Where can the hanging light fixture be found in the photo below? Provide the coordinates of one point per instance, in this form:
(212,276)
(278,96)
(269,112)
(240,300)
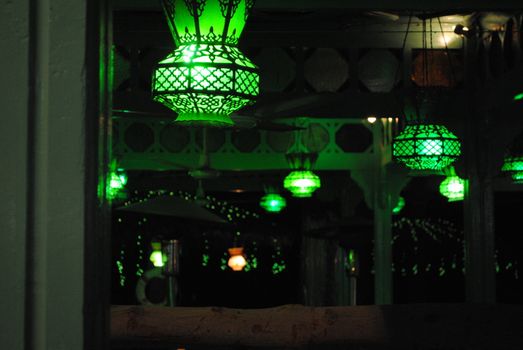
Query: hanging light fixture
(513,160)
(452,187)
(422,145)
(302,183)
(157,257)
(513,165)
(237,259)
(426,147)
(399,206)
(207,77)
(273,202)
(116,181)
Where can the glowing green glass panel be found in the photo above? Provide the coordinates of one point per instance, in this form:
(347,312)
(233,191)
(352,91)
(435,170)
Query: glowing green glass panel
(157,258)
(430,147)
(518,97)
(207,21)
(399,206)
(426,147)
(273,202)
(302,183)
(453,187)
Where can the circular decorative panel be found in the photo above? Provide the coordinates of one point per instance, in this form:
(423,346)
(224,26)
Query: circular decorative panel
(277,69)
(378,70)
(246,140)
(174,138)
(326,70)
(315,137)
(139,137)
(215,139)
(280,141)
(353,138)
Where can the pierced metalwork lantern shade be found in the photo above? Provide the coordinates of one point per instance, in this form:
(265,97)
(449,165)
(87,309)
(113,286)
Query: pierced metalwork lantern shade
(453,187)
(207,77)
(273,202)
(426,147)
(302,183)
(513,165)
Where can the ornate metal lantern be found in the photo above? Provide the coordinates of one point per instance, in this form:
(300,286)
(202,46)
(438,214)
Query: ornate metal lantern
(513,165)
(426,147)
(301,182)
(273,202)
(207,77)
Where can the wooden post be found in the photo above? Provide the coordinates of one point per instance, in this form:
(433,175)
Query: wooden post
(53,296)
(382,185)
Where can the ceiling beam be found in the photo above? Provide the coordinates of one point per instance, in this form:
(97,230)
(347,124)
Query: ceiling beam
(387,5)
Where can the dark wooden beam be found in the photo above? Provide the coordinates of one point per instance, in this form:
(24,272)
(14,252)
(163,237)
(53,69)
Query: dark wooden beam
(424,326)
(405,5)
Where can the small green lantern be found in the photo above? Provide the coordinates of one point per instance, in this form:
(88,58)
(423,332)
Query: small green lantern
(116,181)
(453,187)
(426,147)
(517,177)
(157,257)
(399,206)
(513,165)
(302,183)
(206,78)
(273,202)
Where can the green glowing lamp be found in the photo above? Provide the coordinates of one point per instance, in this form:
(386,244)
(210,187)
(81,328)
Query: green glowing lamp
(517,177)
(399,206)
(157,258)
(206,78)
(273,202)
(518,97)
(453,187)
(117,180)
(426,147)
(302,183)
(513,165)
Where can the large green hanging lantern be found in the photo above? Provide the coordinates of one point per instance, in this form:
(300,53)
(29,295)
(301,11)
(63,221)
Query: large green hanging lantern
(513,165)
(453,187)
(426,147)
(273,202)
(302,183)
(206,78)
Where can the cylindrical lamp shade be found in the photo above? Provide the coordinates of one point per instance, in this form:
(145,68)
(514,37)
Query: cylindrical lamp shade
(426,147)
